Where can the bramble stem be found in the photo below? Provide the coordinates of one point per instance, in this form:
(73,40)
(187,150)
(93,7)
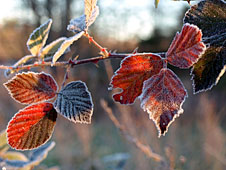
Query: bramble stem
(73,63)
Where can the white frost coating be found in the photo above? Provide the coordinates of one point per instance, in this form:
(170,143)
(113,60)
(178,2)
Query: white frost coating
(65,46)
(37,49)
(147,85)
(78,24)
(83,22)
(121,98)
(221,74)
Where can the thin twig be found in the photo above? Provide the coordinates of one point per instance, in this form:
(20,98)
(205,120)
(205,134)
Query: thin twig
(143,147)
(215,154)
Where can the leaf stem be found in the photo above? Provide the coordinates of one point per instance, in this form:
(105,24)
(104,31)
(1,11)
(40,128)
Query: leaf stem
(102,49)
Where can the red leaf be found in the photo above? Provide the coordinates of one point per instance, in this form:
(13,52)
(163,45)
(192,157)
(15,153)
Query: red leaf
(186,47)
(162,97)
(133,72)
(32,126)
(30,87)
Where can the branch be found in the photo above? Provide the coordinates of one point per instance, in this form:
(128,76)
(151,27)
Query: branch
(72,62)
(143,147)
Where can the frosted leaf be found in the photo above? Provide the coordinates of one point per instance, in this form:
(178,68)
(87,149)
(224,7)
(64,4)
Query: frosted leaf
(210,17)
(38,38)
(78,24)
(52,48)
(75,103)
(31,87)
(65,45)
(186,48)
(87,19)
(162,97)
(134,70)
(32,126)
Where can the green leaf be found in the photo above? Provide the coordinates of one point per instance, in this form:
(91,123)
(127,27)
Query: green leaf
(38,38)
(210,17)
(52,48)
(65,45)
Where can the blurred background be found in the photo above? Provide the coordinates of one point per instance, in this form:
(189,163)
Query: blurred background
(196,140)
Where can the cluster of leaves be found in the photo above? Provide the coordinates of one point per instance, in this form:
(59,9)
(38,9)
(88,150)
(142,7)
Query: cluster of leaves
(33,125)
(141,75)
(17,160)
(161,91)
(210,17)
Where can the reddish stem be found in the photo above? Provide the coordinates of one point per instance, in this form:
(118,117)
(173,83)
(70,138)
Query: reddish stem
(102,49)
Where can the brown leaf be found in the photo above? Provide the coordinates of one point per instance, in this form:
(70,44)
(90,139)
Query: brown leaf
(32,126)
(30,87)
(162,97)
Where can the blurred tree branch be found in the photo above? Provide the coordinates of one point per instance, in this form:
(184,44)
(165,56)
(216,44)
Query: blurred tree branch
(47,8)
(143,147)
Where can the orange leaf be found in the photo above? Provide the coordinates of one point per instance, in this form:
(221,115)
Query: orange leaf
(32,126)
(30,87)
(186,48)
(133,72)
(162,97)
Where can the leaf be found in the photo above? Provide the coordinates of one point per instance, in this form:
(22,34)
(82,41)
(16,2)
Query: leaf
(162,97)
(36,157)
(32,126)
(31,87)
(208,70)
(92,18)
(75,103)
(186,47)
(38,38)
(78,24)
(87,19)
(52,48)
(91,11)
(210,17)
(134,70)
(65,45)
